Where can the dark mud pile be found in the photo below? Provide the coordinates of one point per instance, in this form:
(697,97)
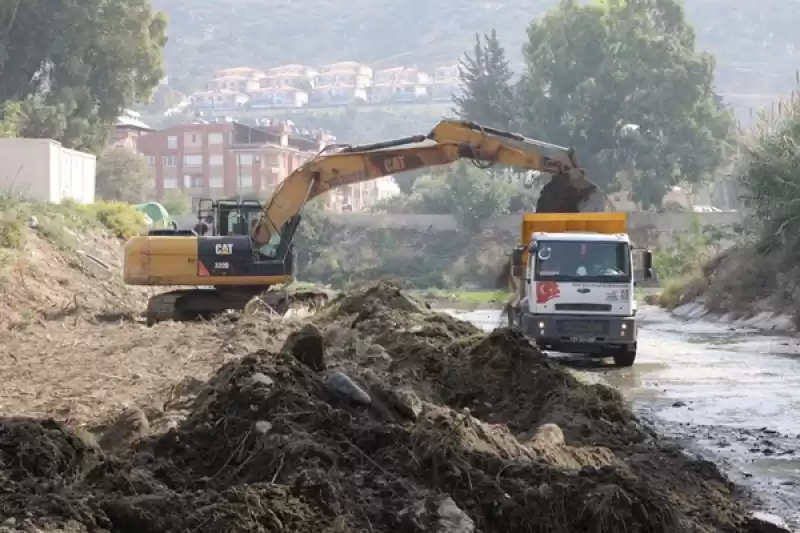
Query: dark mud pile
(381,416)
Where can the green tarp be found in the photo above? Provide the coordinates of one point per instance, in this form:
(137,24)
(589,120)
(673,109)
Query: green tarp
(156,213)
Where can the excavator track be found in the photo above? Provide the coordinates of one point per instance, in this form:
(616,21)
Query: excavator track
(194,304)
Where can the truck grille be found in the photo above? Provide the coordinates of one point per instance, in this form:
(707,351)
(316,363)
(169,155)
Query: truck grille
(583,307)
(597,328)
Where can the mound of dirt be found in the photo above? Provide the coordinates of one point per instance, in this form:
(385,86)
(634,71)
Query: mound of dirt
(379,416)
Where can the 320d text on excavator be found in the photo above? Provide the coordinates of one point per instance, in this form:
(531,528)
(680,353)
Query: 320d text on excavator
(248,248)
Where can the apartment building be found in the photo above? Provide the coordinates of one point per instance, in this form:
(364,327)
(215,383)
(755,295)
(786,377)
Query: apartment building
(288,76)
(224,159)
(356,73)
(127,130)
(286,96)
(218,100)
(241,84)
(398,84)
(341,83)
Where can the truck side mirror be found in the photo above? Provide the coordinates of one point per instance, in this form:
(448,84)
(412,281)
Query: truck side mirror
(517,265)
(647,265)
(516,256)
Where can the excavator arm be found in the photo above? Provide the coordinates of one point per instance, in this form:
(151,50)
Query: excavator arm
(449,141)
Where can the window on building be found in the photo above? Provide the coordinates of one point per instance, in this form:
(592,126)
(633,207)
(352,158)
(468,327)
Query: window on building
(215,138)
(245,159)
(216,182)
(151,160)
(169,160)
(170,183)
(245,182)
(193,181)
(172,142)
(216,160)
(196,160)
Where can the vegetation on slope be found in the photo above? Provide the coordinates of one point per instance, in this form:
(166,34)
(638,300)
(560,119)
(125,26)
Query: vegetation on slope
(761,273)
(56,259)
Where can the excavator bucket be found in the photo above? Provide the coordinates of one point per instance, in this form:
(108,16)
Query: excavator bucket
(571,193)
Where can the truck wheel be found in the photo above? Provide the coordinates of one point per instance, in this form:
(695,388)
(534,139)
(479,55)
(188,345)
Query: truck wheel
(625,357)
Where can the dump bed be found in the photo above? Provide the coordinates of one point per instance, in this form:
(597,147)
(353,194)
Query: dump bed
(608,223)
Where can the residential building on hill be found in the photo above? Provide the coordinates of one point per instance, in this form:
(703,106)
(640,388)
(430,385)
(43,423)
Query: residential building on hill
(286,96)
(247,72)
(398,84)
(341,83)
(288,76)
(241,84)
(402,75)
(218,100)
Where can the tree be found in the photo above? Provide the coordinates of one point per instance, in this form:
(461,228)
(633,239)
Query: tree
(122,175)
(176,202)
(468,193)
(72,68)
(767,171)
(485,77)
(593,69)
(475,196)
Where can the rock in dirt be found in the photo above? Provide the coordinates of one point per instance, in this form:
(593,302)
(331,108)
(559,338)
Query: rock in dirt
(440,514)
(291,458)
(547,435)
(307,346)
(407,402)
(129,426)
(343,385)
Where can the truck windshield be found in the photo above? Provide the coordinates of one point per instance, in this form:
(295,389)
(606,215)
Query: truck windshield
(583,261)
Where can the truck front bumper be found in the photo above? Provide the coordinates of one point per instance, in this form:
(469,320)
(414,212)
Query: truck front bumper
(579,333)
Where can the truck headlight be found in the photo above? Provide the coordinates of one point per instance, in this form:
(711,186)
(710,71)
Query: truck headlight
(541,325)
(624,326)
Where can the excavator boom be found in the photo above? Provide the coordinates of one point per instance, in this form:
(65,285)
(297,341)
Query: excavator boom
(448,142)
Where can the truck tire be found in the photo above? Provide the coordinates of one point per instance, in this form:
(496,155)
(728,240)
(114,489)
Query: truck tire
(625,356)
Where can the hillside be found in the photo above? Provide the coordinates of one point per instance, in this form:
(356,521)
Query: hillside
(211,34)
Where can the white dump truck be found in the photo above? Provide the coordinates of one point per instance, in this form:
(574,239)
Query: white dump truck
(574,276)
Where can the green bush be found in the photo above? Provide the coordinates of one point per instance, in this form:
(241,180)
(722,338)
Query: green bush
(122,219)
(12,233)
(692,249)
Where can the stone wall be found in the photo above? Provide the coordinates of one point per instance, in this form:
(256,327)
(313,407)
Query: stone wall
(646,229)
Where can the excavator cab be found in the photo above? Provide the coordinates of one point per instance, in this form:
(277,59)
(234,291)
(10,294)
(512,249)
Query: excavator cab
(227,217)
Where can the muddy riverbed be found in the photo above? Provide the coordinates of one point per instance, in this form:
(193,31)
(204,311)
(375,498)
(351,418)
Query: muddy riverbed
(729,394)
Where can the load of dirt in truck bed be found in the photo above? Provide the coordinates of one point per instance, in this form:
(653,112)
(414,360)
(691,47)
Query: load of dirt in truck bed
(378,415)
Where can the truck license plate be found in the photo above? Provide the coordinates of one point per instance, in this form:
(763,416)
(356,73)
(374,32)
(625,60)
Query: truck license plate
(581,339)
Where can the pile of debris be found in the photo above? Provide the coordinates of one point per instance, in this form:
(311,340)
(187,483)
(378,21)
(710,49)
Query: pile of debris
(378,415)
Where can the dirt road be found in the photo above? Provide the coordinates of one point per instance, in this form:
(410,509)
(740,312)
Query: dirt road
(731,394)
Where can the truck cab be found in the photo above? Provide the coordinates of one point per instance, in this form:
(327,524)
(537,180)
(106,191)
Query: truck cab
(576,287)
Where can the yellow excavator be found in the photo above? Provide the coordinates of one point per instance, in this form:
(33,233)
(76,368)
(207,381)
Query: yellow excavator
(245,248)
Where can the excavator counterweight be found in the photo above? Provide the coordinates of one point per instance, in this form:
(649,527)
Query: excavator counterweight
(243,256)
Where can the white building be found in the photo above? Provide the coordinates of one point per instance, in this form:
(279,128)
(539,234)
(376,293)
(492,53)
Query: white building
(43,170)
